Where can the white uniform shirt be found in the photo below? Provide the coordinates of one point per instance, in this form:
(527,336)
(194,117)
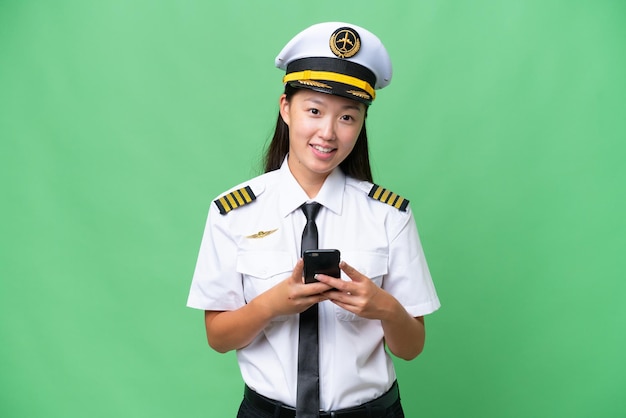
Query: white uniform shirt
(377,239)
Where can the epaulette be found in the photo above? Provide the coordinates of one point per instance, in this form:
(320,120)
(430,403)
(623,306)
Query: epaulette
(234,200)
(388,197)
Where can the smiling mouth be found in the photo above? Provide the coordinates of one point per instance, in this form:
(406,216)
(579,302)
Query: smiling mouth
(323,149)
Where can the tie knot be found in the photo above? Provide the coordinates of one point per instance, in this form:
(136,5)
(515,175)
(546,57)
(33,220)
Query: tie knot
(310,210)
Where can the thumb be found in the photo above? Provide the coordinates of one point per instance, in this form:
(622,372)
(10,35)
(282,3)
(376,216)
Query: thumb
(298,272)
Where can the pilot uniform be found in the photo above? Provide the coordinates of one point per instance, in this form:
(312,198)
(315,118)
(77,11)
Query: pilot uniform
(251,248)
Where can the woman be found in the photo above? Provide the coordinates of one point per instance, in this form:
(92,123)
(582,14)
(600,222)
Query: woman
(248,278)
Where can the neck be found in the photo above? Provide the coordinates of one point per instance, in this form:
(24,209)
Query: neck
(310,182)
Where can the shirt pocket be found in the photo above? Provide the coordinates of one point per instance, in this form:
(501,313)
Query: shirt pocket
(371,264)
(262,270)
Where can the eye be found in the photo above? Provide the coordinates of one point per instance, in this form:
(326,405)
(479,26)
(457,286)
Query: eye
(347,118)
(314,111)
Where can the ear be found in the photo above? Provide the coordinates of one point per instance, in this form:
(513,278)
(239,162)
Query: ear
(284,108)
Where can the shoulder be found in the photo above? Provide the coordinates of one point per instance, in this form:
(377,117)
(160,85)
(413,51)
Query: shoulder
(377,193)
(244,193)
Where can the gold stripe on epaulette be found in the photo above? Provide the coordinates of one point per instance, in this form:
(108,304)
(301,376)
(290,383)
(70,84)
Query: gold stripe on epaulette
(388,197)
(234,200)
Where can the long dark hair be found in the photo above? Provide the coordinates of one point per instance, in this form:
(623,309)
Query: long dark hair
(356,164)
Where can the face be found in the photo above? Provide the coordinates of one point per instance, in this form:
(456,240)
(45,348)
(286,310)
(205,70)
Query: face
(323,129)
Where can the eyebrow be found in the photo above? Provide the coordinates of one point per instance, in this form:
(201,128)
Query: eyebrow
(356,107)
(321,102)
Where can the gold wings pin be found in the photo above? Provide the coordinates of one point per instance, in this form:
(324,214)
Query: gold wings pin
(262,234)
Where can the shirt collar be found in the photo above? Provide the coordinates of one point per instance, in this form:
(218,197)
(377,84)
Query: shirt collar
(292,196)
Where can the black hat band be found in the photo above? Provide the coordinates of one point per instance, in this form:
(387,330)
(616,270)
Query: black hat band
(332,69)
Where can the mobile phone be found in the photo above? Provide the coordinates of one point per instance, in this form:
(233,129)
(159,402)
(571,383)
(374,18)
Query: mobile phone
(324,261)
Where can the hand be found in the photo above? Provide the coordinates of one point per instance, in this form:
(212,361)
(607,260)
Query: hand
(361,296)
(292,295)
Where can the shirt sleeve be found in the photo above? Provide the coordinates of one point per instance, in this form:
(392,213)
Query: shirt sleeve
(408,278)
(216,285)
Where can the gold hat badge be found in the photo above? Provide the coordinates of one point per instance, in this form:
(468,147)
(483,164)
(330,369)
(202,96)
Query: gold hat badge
(345,42)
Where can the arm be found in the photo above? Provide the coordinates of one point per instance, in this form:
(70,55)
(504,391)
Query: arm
(405,335)
(232,330)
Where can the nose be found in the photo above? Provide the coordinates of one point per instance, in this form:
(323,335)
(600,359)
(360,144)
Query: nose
(327,130)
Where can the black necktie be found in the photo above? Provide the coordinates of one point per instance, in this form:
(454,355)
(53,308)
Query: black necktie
(308,390)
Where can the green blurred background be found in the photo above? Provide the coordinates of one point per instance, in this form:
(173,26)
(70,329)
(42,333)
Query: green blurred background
(121,120)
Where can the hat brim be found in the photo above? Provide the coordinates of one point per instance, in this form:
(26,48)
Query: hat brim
(335,88)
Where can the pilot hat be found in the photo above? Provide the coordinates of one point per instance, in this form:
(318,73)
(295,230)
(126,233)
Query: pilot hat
(336,58)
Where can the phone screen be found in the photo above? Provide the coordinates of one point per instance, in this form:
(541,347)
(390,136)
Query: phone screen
(323,261)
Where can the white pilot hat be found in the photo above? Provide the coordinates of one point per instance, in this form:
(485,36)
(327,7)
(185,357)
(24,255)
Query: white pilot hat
(336,58)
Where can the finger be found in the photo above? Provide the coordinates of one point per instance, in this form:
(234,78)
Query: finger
(315,288)
(320,297)
(342,304)
(332,282)
(350,271)
(297,275)
(336,295)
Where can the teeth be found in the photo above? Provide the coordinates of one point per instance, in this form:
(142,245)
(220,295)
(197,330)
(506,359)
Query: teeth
(322,149)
